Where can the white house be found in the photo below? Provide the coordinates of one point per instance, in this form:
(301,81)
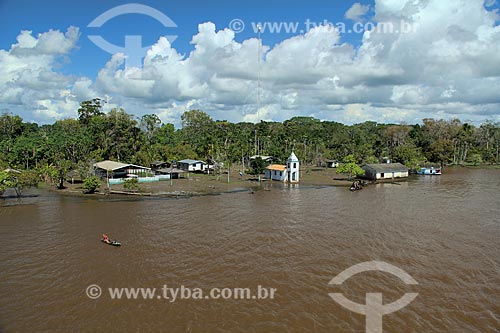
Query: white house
(114,169)
(285,173)
(276,172)
(385,171)
(192,165)
(332,163)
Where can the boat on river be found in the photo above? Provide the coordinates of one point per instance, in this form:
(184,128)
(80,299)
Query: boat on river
(113,242)
(106,240)
(429,171)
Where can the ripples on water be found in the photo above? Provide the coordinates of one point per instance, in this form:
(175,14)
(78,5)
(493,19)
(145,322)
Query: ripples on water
(443,231)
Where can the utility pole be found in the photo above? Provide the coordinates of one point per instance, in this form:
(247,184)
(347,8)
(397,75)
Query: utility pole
(259,51)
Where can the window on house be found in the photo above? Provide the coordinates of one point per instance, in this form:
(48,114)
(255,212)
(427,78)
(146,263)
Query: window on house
(294,165)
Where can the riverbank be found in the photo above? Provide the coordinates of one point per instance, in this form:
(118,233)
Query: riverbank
(201,184)
(196,184)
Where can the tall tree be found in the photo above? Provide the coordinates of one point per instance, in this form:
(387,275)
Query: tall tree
(198,129)
(150,123)
(89,109)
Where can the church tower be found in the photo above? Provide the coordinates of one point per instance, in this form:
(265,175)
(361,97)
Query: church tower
(292,167)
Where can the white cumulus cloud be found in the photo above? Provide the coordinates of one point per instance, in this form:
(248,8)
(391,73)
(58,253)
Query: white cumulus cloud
(441,60)
(357,12)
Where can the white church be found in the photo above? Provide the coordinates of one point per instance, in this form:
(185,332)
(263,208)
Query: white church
(285,173)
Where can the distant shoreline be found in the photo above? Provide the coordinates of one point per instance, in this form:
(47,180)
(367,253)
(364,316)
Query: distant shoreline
(205,185)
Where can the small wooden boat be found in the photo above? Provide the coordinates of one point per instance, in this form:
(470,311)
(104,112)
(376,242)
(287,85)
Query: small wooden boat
(429,171)
(357,186)
(114,243)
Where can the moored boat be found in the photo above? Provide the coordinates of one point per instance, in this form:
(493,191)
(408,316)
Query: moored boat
(429,171)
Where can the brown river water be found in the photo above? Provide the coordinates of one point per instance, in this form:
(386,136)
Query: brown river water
(443,231)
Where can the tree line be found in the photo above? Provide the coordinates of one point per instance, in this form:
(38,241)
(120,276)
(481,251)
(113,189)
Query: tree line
(50,151)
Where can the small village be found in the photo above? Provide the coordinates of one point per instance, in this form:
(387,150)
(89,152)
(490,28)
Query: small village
(192,177)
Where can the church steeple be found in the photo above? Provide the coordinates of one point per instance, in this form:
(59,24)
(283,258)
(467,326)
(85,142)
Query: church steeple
(292,166)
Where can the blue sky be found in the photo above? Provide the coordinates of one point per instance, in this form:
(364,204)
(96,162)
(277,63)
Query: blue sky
(447,68)
(41,16)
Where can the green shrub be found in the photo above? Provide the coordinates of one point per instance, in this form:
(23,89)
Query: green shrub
(28,179)
(131,184)
(258,166)
(350,167)
(91,184)
(6,180)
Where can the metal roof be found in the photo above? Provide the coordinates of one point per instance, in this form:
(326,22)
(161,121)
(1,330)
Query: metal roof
(263,157)
(112,165)
(12,170)
(387,167)
(188,161)
(173,170)
(158,163)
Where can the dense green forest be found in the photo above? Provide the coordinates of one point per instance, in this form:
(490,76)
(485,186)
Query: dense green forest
(51,151)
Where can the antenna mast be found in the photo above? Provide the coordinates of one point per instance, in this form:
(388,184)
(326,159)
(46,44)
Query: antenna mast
(259,27)
(259,51)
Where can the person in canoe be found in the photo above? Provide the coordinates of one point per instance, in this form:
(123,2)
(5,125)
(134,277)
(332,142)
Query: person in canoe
(105,239)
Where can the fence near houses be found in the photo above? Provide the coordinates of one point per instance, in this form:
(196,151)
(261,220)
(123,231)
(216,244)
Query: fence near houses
(118,181)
